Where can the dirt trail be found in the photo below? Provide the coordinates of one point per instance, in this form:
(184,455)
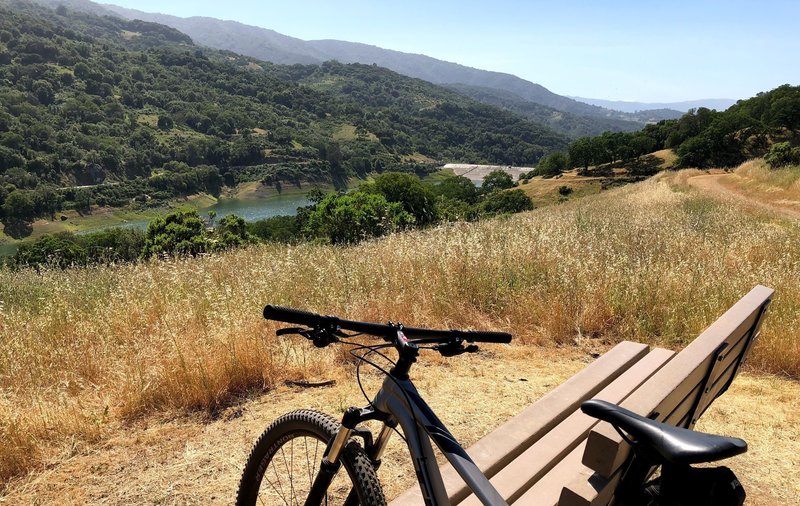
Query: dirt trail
(729,186)
(191,460)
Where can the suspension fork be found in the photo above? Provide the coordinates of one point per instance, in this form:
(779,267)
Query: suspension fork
(331,459)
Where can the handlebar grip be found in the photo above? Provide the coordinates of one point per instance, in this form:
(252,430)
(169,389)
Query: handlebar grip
(289,315)
(479,336)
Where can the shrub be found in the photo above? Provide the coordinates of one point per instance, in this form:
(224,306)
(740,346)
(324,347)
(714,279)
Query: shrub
(350,218)
(553,165)
(283,229)
(57,250)
(179,233)
(408,191)
(511,201)
(782,154)
(497,180)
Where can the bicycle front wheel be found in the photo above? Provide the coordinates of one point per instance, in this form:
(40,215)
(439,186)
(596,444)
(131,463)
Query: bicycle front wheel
(285,460)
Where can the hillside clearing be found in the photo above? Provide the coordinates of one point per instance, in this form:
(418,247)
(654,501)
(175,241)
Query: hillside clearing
(545,191)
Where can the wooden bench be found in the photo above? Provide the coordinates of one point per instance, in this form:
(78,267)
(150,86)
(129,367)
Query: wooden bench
(553,454)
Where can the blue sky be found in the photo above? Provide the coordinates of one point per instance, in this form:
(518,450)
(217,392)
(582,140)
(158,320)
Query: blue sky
(623,50)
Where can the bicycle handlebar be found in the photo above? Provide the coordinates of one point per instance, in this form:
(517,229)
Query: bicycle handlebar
(300,317)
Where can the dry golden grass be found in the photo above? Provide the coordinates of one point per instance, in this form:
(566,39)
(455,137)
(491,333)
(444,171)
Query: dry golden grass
(759,175)
(83,349)
(668,158)
(544,192)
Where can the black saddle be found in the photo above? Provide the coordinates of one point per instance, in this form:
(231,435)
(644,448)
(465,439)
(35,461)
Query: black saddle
(665,442)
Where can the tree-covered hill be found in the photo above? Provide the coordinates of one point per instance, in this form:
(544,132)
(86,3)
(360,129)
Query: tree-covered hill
(269,45)
(86,99)
(706,138)
(573,125)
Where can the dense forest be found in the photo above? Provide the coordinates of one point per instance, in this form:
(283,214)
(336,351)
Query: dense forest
(702,137)
(102,111)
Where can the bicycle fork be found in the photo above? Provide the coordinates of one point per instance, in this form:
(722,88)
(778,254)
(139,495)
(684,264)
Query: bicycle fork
(331,459)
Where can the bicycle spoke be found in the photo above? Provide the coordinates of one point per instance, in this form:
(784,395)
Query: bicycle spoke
(279,492)
(291,475)
(308,463)
(280,486)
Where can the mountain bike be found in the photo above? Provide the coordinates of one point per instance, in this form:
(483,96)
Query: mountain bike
(298,459)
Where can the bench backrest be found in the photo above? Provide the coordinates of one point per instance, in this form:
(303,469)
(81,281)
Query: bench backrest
(677,394)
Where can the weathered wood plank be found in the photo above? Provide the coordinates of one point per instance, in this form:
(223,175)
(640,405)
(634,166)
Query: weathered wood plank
(547,491)
(521,473)
(671,386)
(509,440)
(589,489)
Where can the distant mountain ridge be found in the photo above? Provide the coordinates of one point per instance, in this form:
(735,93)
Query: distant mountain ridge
(720,104)
(269,45)
(578,119)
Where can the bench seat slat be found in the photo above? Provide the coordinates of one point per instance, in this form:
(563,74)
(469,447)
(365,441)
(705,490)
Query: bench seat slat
(509,440)
(547,491)
(521,473)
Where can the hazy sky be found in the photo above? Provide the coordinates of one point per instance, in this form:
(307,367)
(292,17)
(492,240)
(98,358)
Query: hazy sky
(622,50)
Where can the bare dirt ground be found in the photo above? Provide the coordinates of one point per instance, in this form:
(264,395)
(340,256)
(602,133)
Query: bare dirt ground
(196,460)
(729,185)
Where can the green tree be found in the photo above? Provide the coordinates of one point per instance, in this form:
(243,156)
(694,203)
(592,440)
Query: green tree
(458,188)
(55,250)
(553,165)
(20,204)
(451,210)
(10,159)
(582,152)
(231,232)
(782,154)
(510,201)
(165,122)
(497,180)
(179,233)
(44,92)
(283,229)
(350,218)
(113,245)
(408,191)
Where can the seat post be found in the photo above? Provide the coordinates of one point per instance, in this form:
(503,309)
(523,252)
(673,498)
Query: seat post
(635,475)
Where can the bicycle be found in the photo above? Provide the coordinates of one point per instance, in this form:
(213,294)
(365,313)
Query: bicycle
(282,470)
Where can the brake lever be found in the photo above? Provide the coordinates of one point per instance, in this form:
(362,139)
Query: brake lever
(455,348)
(292,330)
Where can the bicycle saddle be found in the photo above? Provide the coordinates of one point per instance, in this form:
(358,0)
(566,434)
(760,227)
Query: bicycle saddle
(672,444)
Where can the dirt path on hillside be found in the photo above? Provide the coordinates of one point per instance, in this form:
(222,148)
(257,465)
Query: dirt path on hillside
(729,185)
(193,460)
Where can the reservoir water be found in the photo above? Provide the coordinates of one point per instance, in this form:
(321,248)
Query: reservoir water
(249,209)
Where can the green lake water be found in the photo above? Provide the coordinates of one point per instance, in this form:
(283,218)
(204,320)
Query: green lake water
(249,209)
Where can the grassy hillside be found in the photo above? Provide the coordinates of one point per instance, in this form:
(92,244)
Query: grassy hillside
(656,261)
